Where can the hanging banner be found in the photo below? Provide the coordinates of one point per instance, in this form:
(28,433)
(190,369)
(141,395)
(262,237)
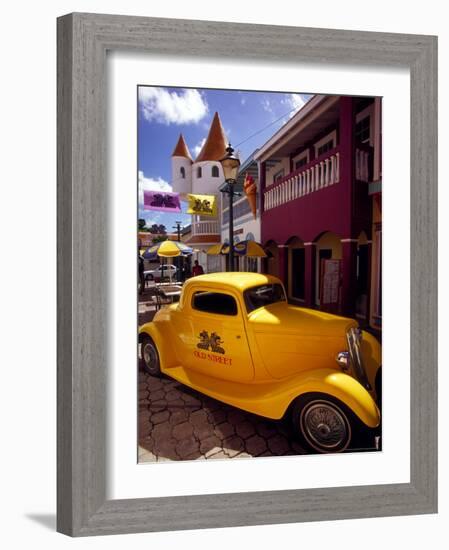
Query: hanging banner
(204,205)
(161,201)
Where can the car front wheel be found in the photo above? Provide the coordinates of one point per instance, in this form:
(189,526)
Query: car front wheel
(149,356)
(322,424)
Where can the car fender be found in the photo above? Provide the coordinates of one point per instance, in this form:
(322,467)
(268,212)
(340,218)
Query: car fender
(155,331)
(371,351)
(341,386)
(272,399)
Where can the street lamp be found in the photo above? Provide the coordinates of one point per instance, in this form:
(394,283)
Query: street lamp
(178,229)
(179,260)
(230,164)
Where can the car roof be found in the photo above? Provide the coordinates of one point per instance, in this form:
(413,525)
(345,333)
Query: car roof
(237,280)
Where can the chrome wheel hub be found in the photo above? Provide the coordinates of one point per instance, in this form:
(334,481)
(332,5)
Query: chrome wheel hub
(149,356)
(325,426)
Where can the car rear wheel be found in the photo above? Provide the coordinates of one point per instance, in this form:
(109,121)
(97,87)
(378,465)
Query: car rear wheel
(322,424)
(149,356)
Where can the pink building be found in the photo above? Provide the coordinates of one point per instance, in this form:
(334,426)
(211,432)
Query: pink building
(317,177)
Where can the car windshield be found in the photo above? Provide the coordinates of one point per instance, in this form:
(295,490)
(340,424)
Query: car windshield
(263,295)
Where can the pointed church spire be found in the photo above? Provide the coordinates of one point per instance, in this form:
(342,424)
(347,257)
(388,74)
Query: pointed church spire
(214,147)
(181,149)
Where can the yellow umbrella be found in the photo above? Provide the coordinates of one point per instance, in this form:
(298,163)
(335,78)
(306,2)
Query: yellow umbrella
(251,249)
(215,250)
(247,248)
(168,249)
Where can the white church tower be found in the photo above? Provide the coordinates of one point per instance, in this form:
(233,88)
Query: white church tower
(207,172)
(203,176)
(181,165)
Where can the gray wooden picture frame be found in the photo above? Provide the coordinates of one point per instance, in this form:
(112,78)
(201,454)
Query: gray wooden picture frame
(83,41)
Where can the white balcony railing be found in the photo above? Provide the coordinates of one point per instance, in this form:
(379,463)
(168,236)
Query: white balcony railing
(205,228)
(308,180)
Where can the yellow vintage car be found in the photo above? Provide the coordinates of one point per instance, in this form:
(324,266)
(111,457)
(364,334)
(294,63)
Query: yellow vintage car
(234,337)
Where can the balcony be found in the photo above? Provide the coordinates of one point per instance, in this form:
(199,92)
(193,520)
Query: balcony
(318,174)
(205,227)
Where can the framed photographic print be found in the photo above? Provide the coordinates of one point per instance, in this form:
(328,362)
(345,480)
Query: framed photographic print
(259,266)
(253,363)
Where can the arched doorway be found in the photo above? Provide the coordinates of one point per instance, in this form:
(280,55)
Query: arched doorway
(328,247)
(296,269)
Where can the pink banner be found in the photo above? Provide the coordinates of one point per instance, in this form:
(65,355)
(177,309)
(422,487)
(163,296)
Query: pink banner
(162,201)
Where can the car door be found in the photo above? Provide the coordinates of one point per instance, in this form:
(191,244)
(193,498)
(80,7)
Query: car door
(218,343)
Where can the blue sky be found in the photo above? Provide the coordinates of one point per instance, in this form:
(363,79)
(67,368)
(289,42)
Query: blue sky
(164,113)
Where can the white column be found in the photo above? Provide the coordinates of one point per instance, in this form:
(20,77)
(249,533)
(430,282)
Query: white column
(326,172)
(337,167)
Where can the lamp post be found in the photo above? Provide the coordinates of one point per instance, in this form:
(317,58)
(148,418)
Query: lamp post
(178,229)
(230,164)
(180,260)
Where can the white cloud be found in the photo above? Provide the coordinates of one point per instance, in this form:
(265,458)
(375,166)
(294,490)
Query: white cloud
(183,107)
(198,147)
(151,184)
(266,105)
(297,101)
(150,217)
(243,101)
(294,102)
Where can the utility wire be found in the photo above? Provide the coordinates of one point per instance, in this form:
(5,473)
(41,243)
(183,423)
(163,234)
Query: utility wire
(265,127)
(260,131)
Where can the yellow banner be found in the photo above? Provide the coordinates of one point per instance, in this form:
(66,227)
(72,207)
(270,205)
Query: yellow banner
(204,205)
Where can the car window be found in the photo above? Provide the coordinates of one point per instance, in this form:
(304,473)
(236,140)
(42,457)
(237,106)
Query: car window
(214,302)
(263,295)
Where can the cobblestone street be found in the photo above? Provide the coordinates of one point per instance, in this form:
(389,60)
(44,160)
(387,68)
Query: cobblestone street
(177,423)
